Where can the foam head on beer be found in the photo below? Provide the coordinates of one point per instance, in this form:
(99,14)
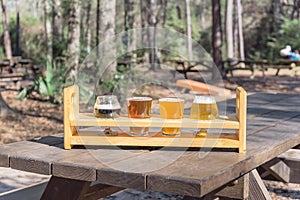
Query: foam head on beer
(204,99)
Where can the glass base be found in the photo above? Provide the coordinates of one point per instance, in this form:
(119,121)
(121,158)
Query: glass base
(171,131)
(139,131)
(202,132)
(109,132)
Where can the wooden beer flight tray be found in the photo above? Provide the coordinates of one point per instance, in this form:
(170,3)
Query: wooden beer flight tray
(73,118)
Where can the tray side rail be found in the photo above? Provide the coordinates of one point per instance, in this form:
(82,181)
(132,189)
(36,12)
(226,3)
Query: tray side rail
(71,111)
(241,113)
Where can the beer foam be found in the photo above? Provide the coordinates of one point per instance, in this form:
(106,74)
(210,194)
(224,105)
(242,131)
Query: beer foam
(171,99)
(107,107)
(139,98)
(204,99)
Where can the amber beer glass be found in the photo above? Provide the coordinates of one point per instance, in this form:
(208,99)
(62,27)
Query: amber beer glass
(171,108)
(204,108)
(139,108)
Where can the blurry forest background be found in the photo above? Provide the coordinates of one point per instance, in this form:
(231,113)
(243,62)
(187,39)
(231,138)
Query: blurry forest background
(58,34)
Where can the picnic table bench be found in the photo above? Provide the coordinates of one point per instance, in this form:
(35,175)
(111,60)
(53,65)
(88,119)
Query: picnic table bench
(262,65)
(273,127)
(17,72)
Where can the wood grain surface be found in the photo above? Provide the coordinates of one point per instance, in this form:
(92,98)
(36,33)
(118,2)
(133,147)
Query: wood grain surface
(273,127)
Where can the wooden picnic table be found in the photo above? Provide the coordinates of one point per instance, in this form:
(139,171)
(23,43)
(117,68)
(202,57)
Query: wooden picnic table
(186,66)
(273,127)
(262,65)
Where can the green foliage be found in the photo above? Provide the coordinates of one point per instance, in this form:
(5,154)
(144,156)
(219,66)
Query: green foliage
(48,86)
(109,85)
(288,35)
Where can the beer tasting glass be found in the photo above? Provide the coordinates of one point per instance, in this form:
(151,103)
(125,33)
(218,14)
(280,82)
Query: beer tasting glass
(204,108)
(171,108)
(139,108)
(107,106)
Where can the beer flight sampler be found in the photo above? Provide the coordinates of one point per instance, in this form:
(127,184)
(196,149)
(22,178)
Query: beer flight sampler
(171,122)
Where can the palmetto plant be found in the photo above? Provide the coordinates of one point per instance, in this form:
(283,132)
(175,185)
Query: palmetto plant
(49,85)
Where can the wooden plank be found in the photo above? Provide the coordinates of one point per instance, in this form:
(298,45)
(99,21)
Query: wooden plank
(86,164)
(71,110)
(8,150)
(75,170)
(126,179)
(278,169)
(67,189)
(184,140)
(88,119)
(203,87)
(257,188)
(40,160)
(241,115)
(261,147)
(238,189)
(292,159)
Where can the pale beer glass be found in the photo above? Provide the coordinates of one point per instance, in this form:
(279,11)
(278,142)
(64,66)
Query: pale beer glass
(204,108)
(139,108)
(171,108)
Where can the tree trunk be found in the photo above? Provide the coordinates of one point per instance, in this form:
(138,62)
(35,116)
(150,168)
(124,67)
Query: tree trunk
(236,32)
(106,31)
(88,27)
(7,42)
(129,24)
(57,24)
(97,22)
(73,47)
(189,29)
(217,39)
(152,16)
(48,29)
(144,24)
(152,21)
(241,36)
(17,50)
(4,108)
(276,7)
(229,29)
(295,8)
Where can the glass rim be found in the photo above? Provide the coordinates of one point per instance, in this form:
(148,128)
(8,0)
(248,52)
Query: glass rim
(204,99)
(171,99)
(141,98)
(108,95)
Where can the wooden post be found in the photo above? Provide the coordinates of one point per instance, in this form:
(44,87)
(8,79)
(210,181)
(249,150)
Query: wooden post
(241,113)
(71,110)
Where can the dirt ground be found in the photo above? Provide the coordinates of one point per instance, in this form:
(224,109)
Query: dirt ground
(38,118)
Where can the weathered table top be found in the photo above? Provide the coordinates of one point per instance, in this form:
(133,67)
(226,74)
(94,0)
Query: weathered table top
(273,128)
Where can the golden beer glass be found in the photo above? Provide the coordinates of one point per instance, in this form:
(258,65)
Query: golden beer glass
(139,107)
(204,108)
(171,108)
